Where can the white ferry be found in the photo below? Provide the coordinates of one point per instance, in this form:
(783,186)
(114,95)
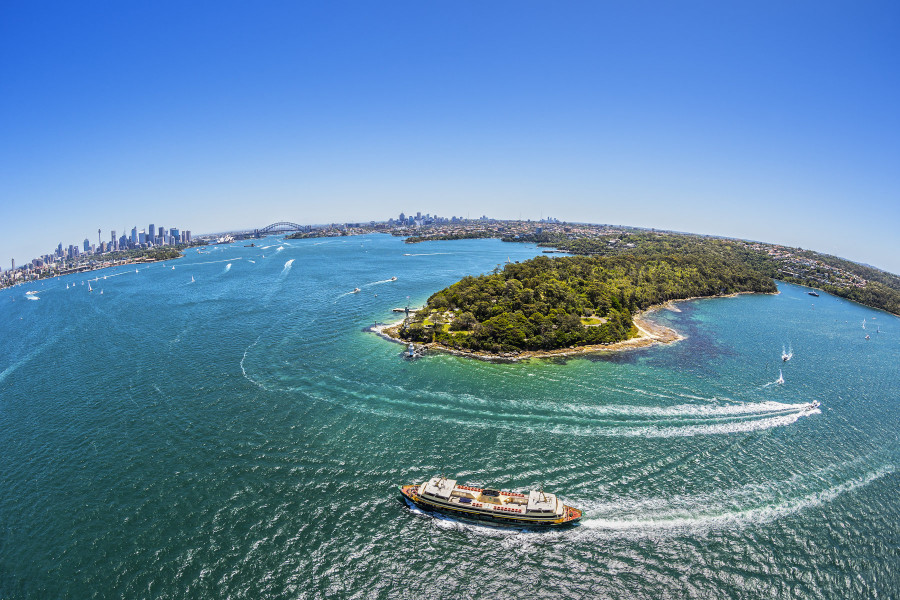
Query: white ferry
(534,509)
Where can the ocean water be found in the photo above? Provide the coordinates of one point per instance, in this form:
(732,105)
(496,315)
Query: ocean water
(242,436)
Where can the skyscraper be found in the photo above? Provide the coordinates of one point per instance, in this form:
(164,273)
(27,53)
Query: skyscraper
(134,237)
(152,232)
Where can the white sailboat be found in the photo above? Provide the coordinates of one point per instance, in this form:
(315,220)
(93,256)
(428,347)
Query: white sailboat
(192,279)
(89,287)
(780,379)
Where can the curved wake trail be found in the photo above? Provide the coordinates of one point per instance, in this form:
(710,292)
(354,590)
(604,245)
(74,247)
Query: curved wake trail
(365,285)
(651,517)
(212,262)
(30,356)
(557,419)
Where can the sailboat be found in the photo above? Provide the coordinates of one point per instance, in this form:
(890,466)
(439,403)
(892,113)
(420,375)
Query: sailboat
(192,279)
(780,379)
(89,287)
(864,323)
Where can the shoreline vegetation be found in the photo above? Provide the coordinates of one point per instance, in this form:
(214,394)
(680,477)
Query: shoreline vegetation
(599,299)
(562,305)
(649,334)
(840,277)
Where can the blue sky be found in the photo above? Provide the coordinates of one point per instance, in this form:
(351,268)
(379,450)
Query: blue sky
(774,121)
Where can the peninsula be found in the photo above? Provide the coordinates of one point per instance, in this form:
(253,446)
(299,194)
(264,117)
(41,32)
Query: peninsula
(594,300)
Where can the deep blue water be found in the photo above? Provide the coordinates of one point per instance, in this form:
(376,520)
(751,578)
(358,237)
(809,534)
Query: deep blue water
(242,436)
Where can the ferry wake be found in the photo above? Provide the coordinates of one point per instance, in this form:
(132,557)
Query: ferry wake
(535,509)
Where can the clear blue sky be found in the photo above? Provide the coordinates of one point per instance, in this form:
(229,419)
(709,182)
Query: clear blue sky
(776,121)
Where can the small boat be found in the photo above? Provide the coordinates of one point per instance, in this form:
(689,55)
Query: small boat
(32,293)
(787,355)
(393,279)
(864,324)
(89,287)
(192,279)
(249,245)
(813,405)
(355,291)
(173,267)
(101,292)
(867,336)
(816,294)
(780,379)
(512,509)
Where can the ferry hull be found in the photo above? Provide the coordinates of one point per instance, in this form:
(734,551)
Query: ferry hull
(570,518)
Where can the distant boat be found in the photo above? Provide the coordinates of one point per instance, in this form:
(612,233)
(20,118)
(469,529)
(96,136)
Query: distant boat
(135,270)
(101,292)
(173,267)
(864,323)
(780,379)
(192,279)
(787,355)
(393,279)
(31,293)
(813,294)
(355,291)
(89,287)
(867,336)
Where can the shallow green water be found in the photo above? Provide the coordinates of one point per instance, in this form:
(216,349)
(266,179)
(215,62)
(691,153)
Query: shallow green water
(241,436)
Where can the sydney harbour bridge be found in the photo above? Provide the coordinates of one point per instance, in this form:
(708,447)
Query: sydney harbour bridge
(279,227)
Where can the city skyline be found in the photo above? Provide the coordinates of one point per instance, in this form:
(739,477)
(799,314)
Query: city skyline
(759,121)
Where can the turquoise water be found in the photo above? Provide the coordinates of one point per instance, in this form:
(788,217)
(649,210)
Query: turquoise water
(241,436)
